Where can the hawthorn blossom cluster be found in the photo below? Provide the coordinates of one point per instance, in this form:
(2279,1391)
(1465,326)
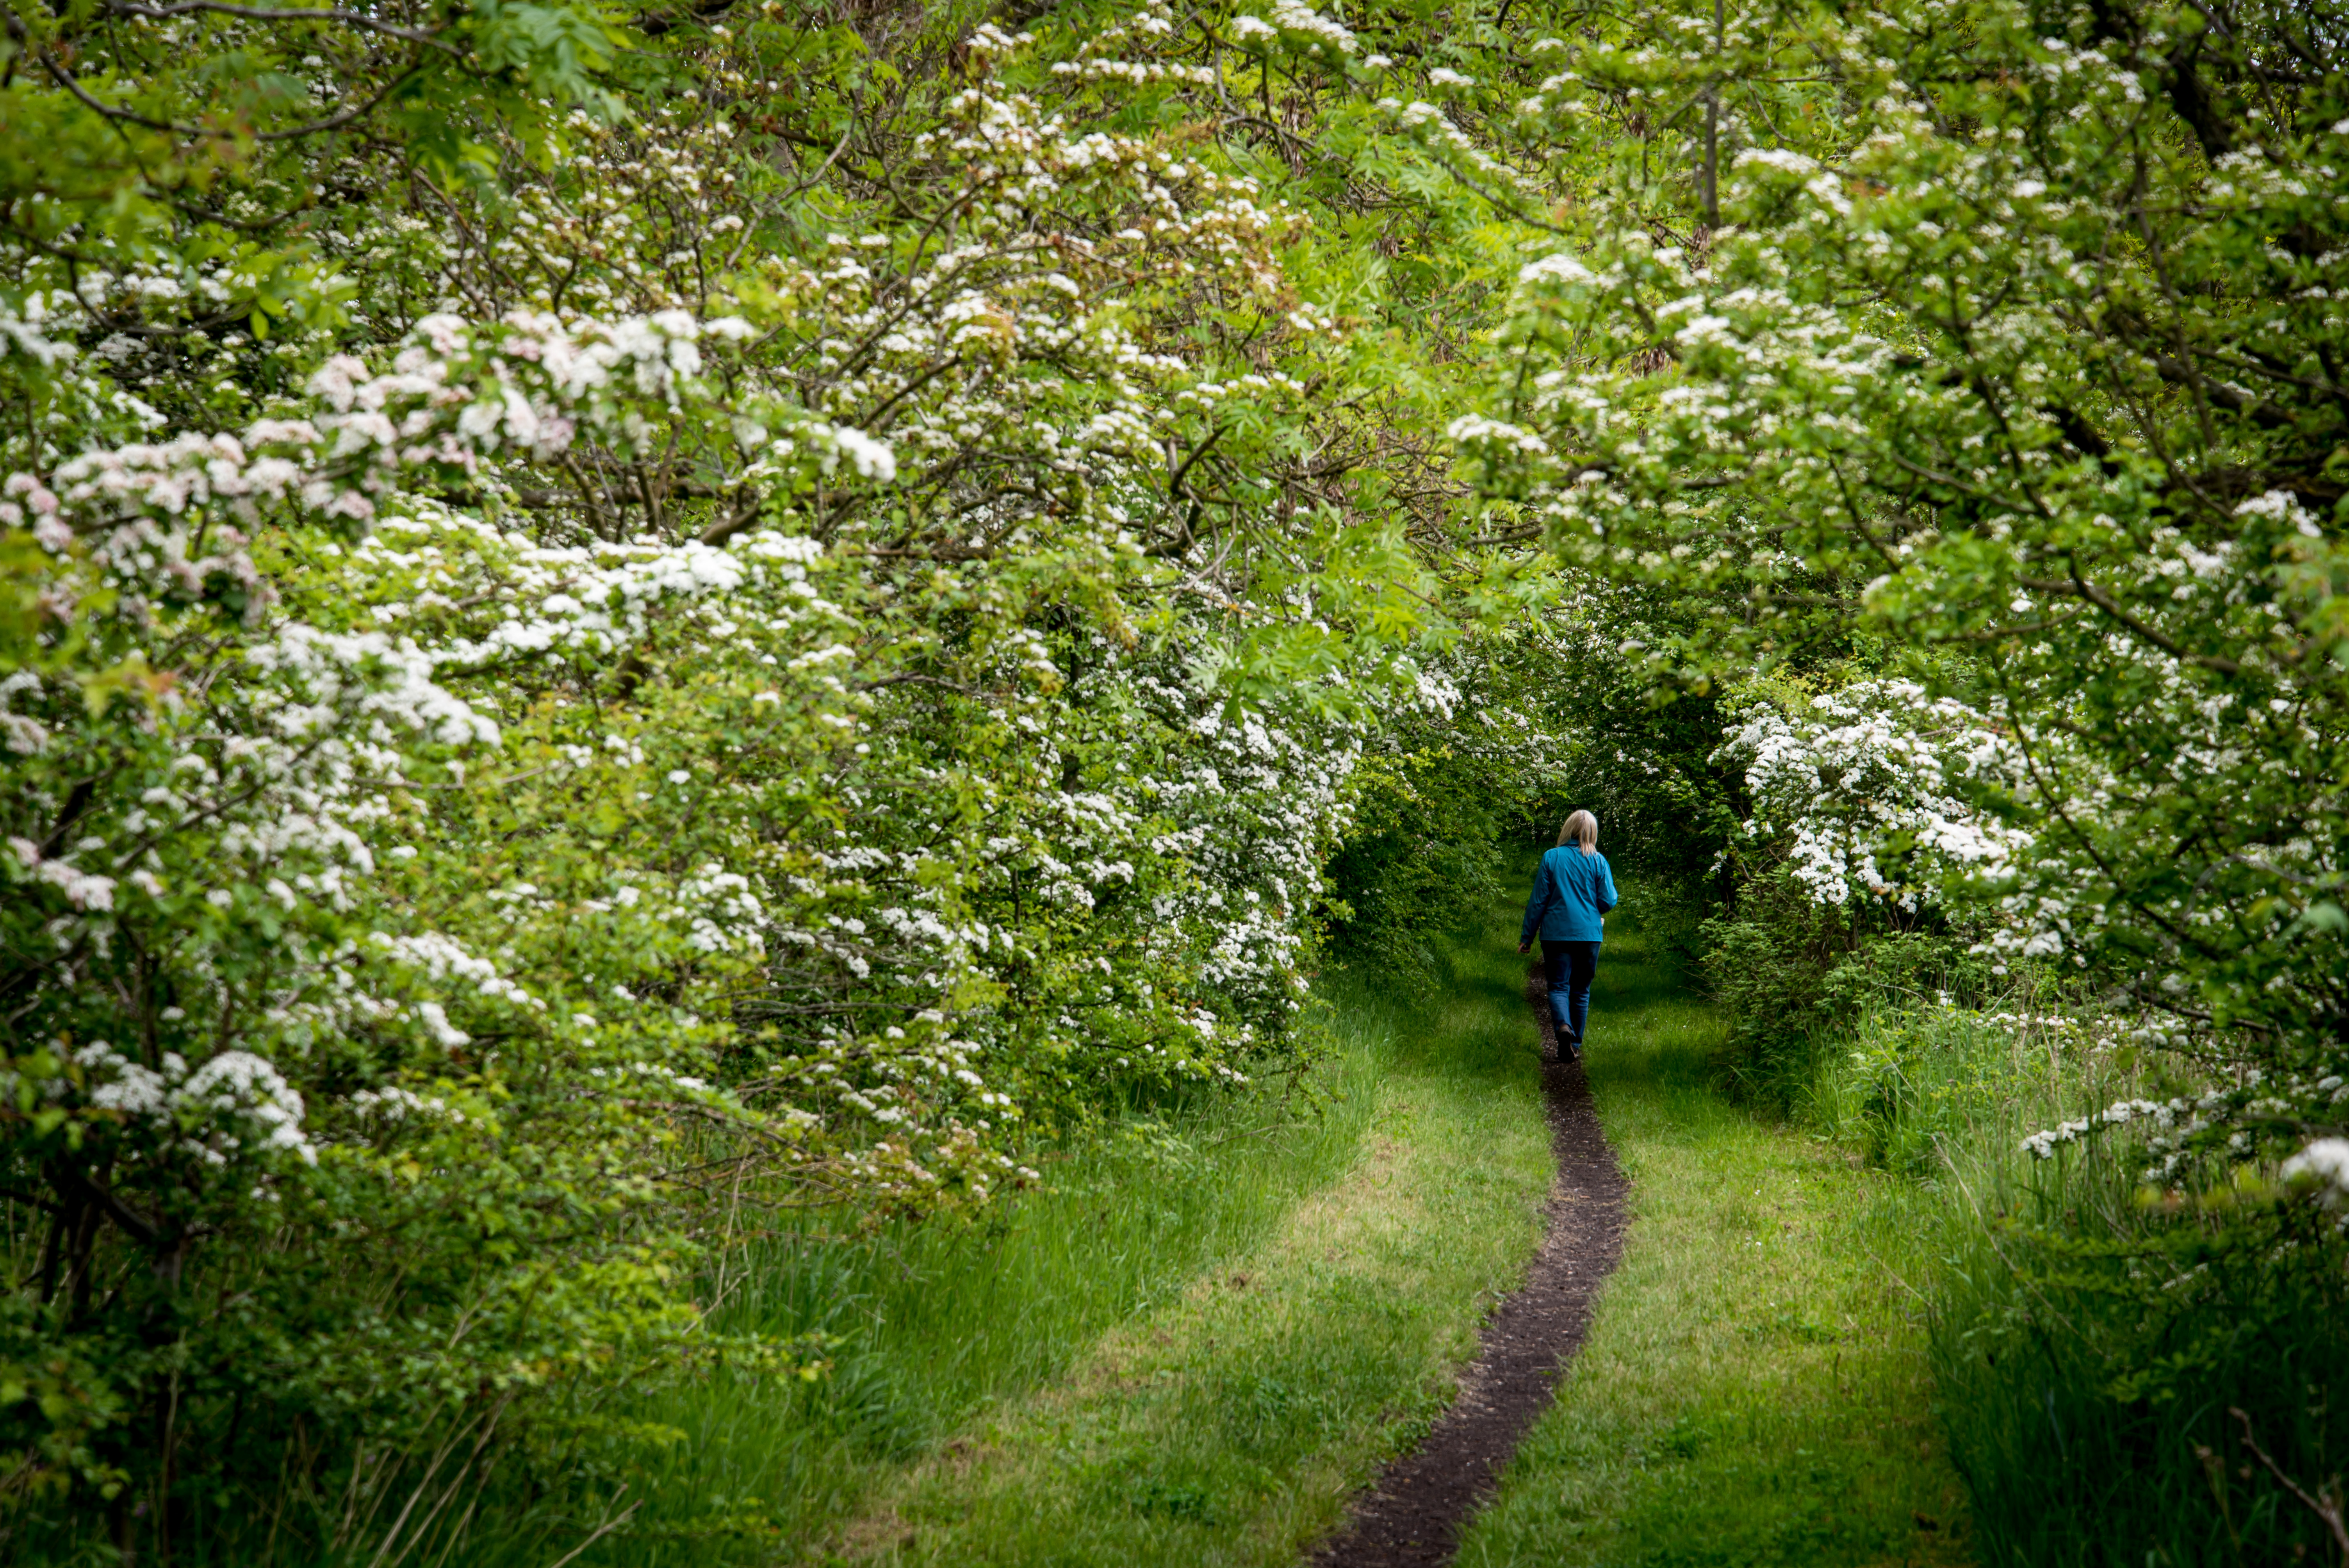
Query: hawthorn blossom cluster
(233,1105)
(2259,1119)
(2325,1164)
(1301,26)
(1872,769)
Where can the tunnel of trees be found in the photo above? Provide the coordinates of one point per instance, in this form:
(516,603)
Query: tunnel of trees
(620,629)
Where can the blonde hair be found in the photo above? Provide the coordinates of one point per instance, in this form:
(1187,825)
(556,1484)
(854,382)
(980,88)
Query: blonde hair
(1580,827)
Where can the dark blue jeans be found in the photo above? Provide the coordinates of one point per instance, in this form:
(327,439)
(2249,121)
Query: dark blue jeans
(1568,967)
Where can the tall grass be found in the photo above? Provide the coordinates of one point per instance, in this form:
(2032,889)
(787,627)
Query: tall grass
(2092,1341)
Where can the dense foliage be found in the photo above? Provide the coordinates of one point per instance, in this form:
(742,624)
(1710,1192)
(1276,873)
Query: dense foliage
(619,626)
(591,660)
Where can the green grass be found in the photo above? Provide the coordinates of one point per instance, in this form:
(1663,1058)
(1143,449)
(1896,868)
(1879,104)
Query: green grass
(1207,1330)
(937,1321)
(1754,1388)
(1230,1426)
(2089,1349)
(1215,1325)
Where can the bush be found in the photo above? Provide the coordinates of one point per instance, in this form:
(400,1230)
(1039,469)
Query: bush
(2091,1336)
(1911,1082)
(1907,1065)
(1767,961)
(2125,1384)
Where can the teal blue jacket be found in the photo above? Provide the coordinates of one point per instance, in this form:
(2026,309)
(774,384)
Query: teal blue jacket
(1571,892)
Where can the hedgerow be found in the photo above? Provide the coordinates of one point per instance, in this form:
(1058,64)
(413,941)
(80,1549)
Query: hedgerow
(618,629)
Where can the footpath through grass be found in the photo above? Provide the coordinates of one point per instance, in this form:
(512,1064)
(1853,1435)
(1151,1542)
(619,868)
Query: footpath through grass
(1215,1327)
(1231,1425)
(1208,1330)
(1753,1390)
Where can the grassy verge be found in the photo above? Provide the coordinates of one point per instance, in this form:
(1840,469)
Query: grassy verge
(1230,1425)
(1754,1388)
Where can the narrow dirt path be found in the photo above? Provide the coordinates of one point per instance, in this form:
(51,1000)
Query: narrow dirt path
(1413,1517)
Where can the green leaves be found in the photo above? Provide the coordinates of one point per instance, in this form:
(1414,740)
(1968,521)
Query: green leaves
(1977,376)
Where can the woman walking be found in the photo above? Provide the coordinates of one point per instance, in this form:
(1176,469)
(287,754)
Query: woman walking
(1573,890)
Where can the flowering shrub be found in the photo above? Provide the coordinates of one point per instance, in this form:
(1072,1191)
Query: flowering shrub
(1907,369)
(581,702)
(1871,768)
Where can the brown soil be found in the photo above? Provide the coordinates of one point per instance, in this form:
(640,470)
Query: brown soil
(1413,1517)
